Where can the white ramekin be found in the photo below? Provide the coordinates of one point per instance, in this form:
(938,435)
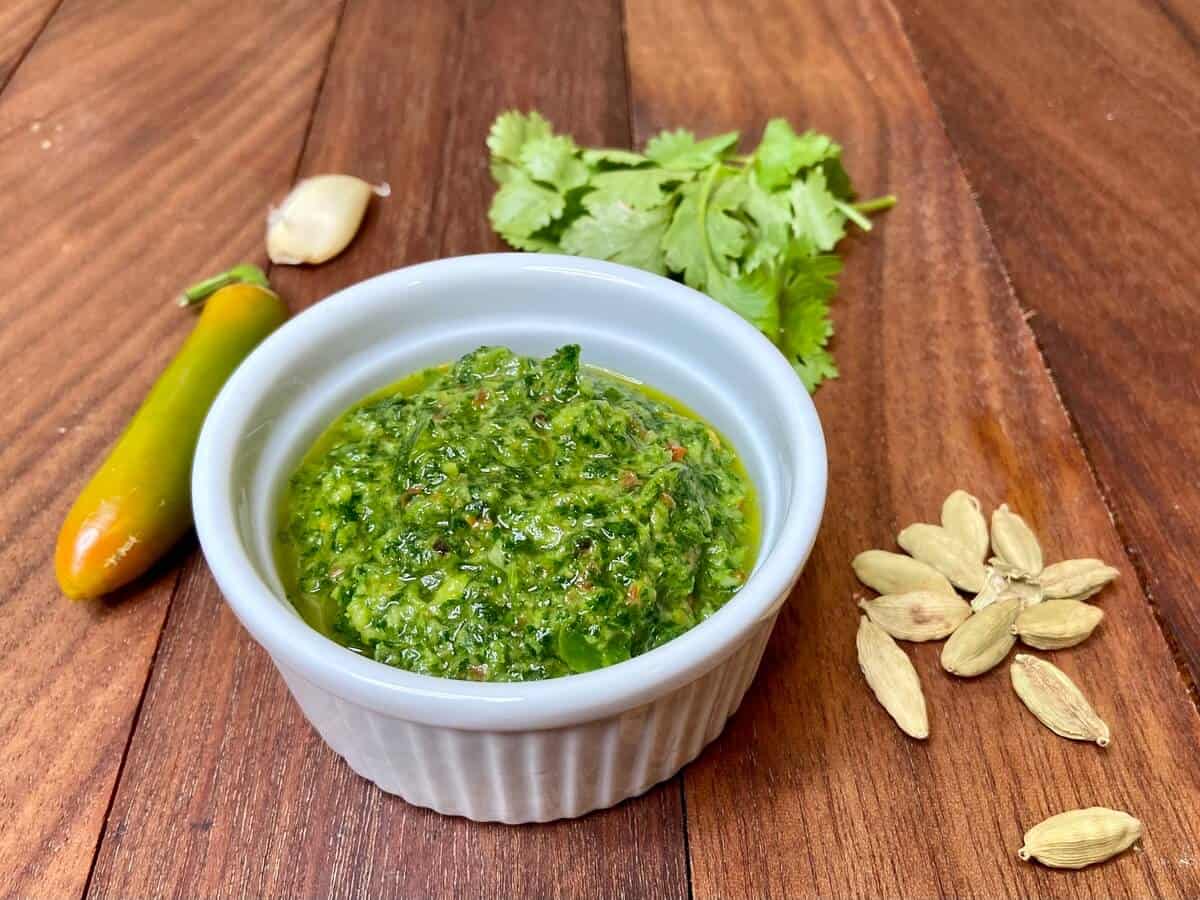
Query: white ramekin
(510,752)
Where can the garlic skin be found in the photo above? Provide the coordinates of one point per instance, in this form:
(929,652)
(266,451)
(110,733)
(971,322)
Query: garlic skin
(317,220)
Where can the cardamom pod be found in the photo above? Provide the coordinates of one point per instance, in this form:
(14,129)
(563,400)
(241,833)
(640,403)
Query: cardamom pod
(917,615)
(935,546)
(895,573)
(1081,837)
(963,518)
(1015,542)
(892,678)
(1007,569)
(1029,592)
(1056,701)
(1057,624)
(994,586)
(1076,579)
(981,642)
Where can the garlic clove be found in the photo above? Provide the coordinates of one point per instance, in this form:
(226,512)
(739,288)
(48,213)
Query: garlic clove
(317,220)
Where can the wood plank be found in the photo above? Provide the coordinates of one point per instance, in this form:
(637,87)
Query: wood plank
(1077,130)
(21,21)
(163,130)
(227,790)
(812,790)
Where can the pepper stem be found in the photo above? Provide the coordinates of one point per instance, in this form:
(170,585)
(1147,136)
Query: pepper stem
(246,273)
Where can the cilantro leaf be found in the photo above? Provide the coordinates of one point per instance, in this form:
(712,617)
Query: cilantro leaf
(783,153)
(753,296)
(726,234)
(573,208)
(502,171)
(640,188)
(553,160)
(770,215)
(756,233)
(534,243)
(806,323)
(806,326)
(512,130)
(618,232)
(837,180)
(815,368)
(810,276)
(680,149)
(815,213)
(683,242)
(602,156)
(696,238)
(522,206)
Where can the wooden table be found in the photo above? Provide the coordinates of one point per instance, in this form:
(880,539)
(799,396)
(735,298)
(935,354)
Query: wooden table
(1025,324)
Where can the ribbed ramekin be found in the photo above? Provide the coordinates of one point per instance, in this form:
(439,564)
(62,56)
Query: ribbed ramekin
(539,750)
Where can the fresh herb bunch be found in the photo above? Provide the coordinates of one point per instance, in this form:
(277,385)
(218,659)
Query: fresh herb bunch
(753,232)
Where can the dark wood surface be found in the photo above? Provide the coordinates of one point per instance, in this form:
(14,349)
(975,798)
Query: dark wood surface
(212,820)
(1091,188)
(149,747)
(139,145)
(21,21)
(944,388)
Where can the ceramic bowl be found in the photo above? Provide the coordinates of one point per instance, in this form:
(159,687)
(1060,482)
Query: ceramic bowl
(531,751)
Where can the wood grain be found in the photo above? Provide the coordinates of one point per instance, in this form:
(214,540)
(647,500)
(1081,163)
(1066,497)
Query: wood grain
(812,790)
(162,129)
(21,21)
(1078,130)
(226,789)
(228,792)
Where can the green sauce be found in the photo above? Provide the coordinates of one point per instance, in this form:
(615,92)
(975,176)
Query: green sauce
(508,519)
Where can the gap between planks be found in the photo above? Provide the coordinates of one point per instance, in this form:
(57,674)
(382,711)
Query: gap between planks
(196,553)
(25,51)
(1102,490)
(133,724)
(1178,23)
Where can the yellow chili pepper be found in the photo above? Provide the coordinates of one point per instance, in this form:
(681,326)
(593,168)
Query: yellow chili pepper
(138,504)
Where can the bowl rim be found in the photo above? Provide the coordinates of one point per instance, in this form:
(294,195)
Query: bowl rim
(299,650)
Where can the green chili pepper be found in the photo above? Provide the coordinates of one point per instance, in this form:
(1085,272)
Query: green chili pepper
(138,504)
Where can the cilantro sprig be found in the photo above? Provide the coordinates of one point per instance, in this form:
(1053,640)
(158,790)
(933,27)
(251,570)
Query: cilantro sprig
(755,232)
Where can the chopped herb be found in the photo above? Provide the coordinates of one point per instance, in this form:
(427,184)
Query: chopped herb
(570,521)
